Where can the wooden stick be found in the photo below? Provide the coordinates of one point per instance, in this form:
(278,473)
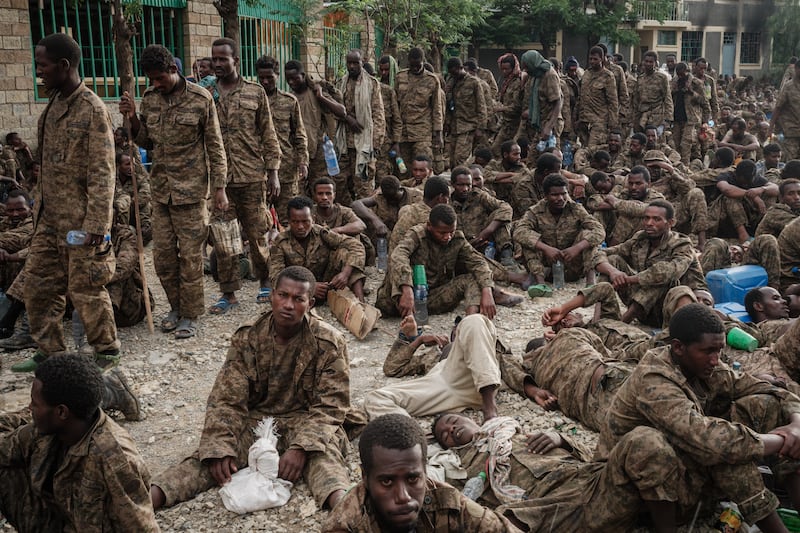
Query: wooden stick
(139,239)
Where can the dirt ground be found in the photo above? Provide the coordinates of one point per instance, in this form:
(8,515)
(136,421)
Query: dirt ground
(173,379)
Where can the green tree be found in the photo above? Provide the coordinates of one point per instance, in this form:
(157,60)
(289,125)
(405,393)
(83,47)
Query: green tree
(785,38)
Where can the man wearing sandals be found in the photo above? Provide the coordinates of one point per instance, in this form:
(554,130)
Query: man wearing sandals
(179,123)
(254,156)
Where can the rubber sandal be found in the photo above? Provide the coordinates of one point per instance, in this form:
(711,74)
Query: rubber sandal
(222,306)
(169,322)
(107,360)
(540,289)
(264,294)
(186,328)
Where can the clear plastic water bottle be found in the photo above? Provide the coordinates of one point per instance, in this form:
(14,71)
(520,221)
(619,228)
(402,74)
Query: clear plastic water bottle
(567,154)
(330,156)
(474,487)
(551,141)
(558,275)
(401,165)
(382,258)
(78,237)
(490,251)
(420,280)
(540,146)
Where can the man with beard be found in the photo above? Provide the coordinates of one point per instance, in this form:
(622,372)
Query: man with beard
(744,144)
(360,134)
(380,211)
(630,204)
(644,268)
(395,494)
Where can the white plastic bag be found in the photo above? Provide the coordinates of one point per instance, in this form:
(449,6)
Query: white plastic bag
(257,487)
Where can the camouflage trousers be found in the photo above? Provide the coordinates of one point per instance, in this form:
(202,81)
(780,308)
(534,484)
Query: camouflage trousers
(691,212)
(353,183)
(317,168)
(763,251)
(385,165)
(786,350)
(459,147)
(325,471)
(791,148)
(179,234)
(80,272)
(411,149)
(507,132)
(649,298)
(536,263)
(441,299)
(453,384)
(790,255)
(248,204)
(593,135)
(290,187)
(684,135)
(727,214)
(127,299)
(602,496)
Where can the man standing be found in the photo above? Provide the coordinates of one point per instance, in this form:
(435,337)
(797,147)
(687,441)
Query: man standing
(709,86)
(391,115)
(691,109)
(652,99)
(786,115)
(360,135)
(254,157)
(179,123)
(510,103)
(421,102)
(307,389)
(291,131)
(598,105)
(466,113)
(75,192)
(542,101)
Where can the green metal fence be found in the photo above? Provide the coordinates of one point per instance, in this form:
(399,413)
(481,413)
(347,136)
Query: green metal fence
(89,22)
(337,43)
(267,29)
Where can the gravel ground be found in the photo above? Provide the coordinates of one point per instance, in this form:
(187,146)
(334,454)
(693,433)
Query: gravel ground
(173,379)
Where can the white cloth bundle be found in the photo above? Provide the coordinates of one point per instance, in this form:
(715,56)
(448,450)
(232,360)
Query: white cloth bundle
(257,487)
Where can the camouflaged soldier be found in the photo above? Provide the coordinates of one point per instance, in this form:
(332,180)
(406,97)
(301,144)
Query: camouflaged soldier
(179,123)
(732,426)
(786,117)
(691,109)
(445,253)
(75,191)
(510,103)
(541,102)
(421,102)
(337,261)
(598,104)
(306,390)
(630,203)
(466,113)
(763,251)
(291,132)
(652,98)
(8,163)
(546,483)
(643,268)
(393,447)
(623,95)
(16,232)
(558,229)
(123,197)
(381,210)
(785,211)
(527,190)
(391,115)
(437,191)
(67,466)
(360,134)
(254,157)
(789,244)
(709,87)
(338,218)
(742,200)
(126,288)
(502,174)
(481,217)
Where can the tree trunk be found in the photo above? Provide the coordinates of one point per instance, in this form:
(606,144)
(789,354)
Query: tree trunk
(436,56)
(123,31)
(229,11)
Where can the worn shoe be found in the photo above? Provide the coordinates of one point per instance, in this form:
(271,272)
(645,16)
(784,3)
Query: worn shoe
(20,340)
(117,394)
(30,364)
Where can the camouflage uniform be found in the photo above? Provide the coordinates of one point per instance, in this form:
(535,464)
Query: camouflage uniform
(446,288)
(409,216)
(651,100)
(123,204)
(478,211)
(623,95)
(14,238)
(598,107)
(714,442)
(100,483)
(726,212)
(351,185)
(466,112)
(394,129)
(526,193)
(710,89)
(451,385)
(691,210)
(789,106)
(318,121)
(305,385)
(563,493)
(549,96)
(76,191)
(629,214)
(775,219)
(126,288)
(8,162)
(252,149)
(420,99)
(188,159)
(444,508)
(293,142)
(696,111)
(502,190)
(342,216)
(785,350)
(763,251)
(789,245)
(670,262)
(324,254)
(402,360)
(573,225)
(388,212)
(511,101)
(578,369)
